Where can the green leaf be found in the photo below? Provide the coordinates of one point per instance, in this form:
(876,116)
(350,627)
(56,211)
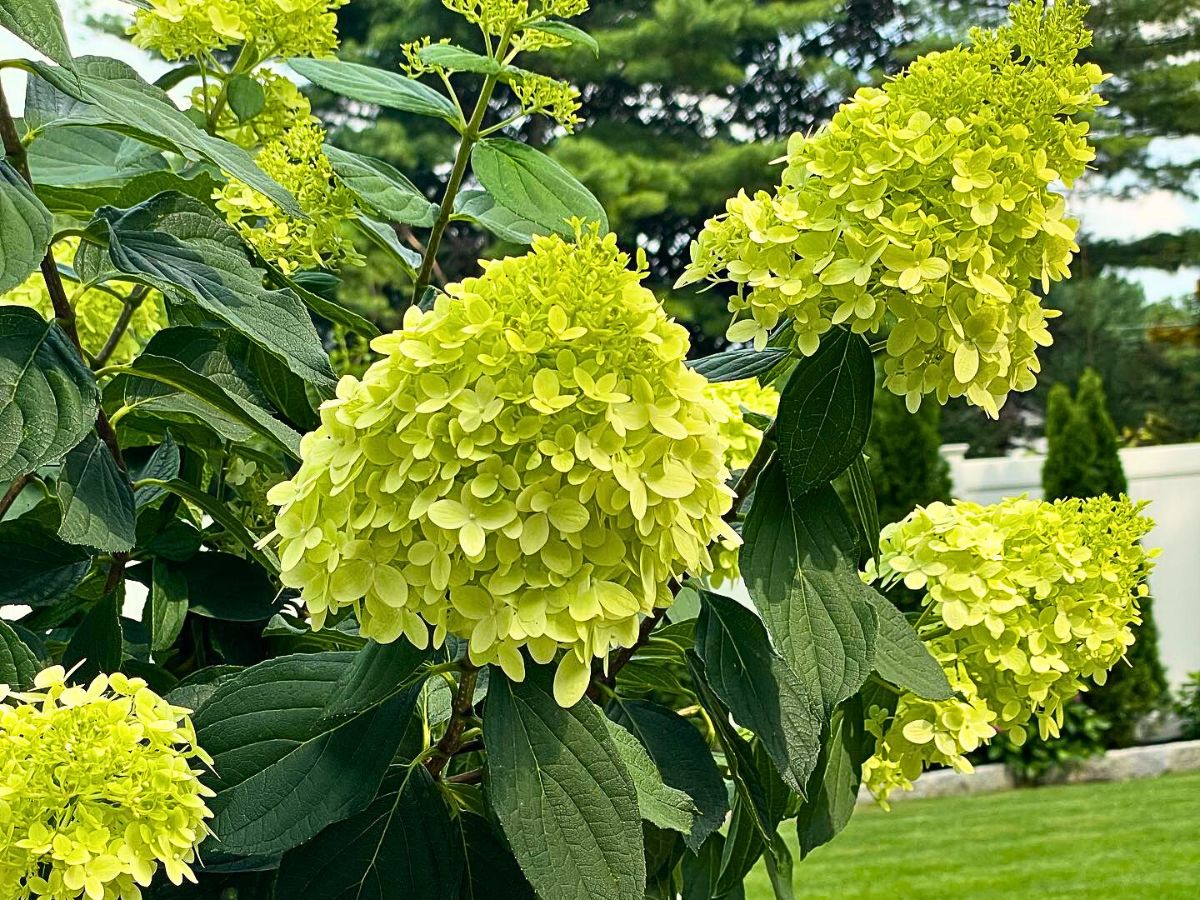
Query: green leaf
(227,587)
(195,690)
(683,759)
(282,774)
(168,604)
(381,188)
(825,411)
(334,312)
(799,564)
(115,96)
(528,184)
(378,673)
(759,687)
(658,803)
(96,643)
(865,503)
(38,567)
(178,245)
(96,498)
(163,464)
(568,32)
(18,665)
(25,228)
(385,238)
(833,788)
(700,871)
(562,794)
(902,658)
(734,365)
(75,155)
(458,59)
(489,870)
(401,847)
(378,86)
(48,397)
(246,96)
(481,208)
(40,25)
(189,373)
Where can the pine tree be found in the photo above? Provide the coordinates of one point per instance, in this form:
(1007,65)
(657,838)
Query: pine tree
(1072,447)
(1106,474)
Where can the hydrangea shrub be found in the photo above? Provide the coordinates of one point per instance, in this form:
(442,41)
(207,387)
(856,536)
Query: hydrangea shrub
(448,610)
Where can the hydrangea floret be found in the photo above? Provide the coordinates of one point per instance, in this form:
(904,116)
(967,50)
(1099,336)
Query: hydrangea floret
(527,467)
(97,789)
(929,208)
(97,309)
(1026,602)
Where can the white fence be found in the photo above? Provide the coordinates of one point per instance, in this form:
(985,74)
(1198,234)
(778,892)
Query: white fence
(1167,476)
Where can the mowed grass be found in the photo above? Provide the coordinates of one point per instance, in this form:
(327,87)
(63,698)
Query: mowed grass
(1128,840)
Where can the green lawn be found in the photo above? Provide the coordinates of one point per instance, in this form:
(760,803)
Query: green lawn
(1103,841)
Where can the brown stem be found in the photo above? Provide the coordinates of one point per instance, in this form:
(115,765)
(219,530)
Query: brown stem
(460,712)
(128,308)
(14,491)
(475,776)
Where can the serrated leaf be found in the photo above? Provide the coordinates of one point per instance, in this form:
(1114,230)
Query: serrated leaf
(825,411)
(163,464)
(658,803)
(902,658)
(18,665)
(379,672)
(833,788)
(319,305)
(38,567)
(96,499)
(183,248)
(568,32)
(799,563)
(458,59)
(380,187)
(865,503)
(40,25)
(25,228)
(194,691)
(529,185)
(96,644)
(168,604)
(246,96)
(73,155)
(282,773)
(48,397)
(401,847)
(683,759)
(759,687)
(489,870)
(378,86)
(734,365)
(112,95)
(481,208)
(561,793)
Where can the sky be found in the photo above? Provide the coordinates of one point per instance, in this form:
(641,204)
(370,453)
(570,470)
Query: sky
(1102,215)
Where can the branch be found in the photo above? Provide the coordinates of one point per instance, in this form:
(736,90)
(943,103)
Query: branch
(128,308)
(461,710)
(14,491)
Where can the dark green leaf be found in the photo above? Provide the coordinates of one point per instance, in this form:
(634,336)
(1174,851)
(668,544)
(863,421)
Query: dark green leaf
(246,96)
(865,503)
(490,872)
(902,658)
(168,604)
(833,789)
(321,306)
(664,806)
(379,672)
(115,96)
(380,187)
(378,86)
(227,587)
(385,238)
(683,759)
(558,786)
(529,185)
(568,32)
(25,228)
(759,687)
(75,155)
(800,567)
(163,464)
(282,773)
(96,498)
(734,365)
(480,207)
(401,847)
(40,25)
(38,567)
(700,871)
(194,691)
(96,644)
(18,665)
(302,639)
(48,397)
(825,411)
(182,247)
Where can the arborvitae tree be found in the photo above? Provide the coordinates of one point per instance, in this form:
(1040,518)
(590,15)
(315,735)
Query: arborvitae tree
(906,468)
(1106,475)
(1072,447)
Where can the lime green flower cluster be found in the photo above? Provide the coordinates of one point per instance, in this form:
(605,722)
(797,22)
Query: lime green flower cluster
(926,205)
(541,94)
(96,309)
(517,18)
(180,29)
(295,159)
(1026,601)
(284,107)
(742,442)
(527,467)
(96,789)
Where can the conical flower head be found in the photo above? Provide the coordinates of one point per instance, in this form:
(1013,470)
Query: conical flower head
(97,789)
(526,467)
